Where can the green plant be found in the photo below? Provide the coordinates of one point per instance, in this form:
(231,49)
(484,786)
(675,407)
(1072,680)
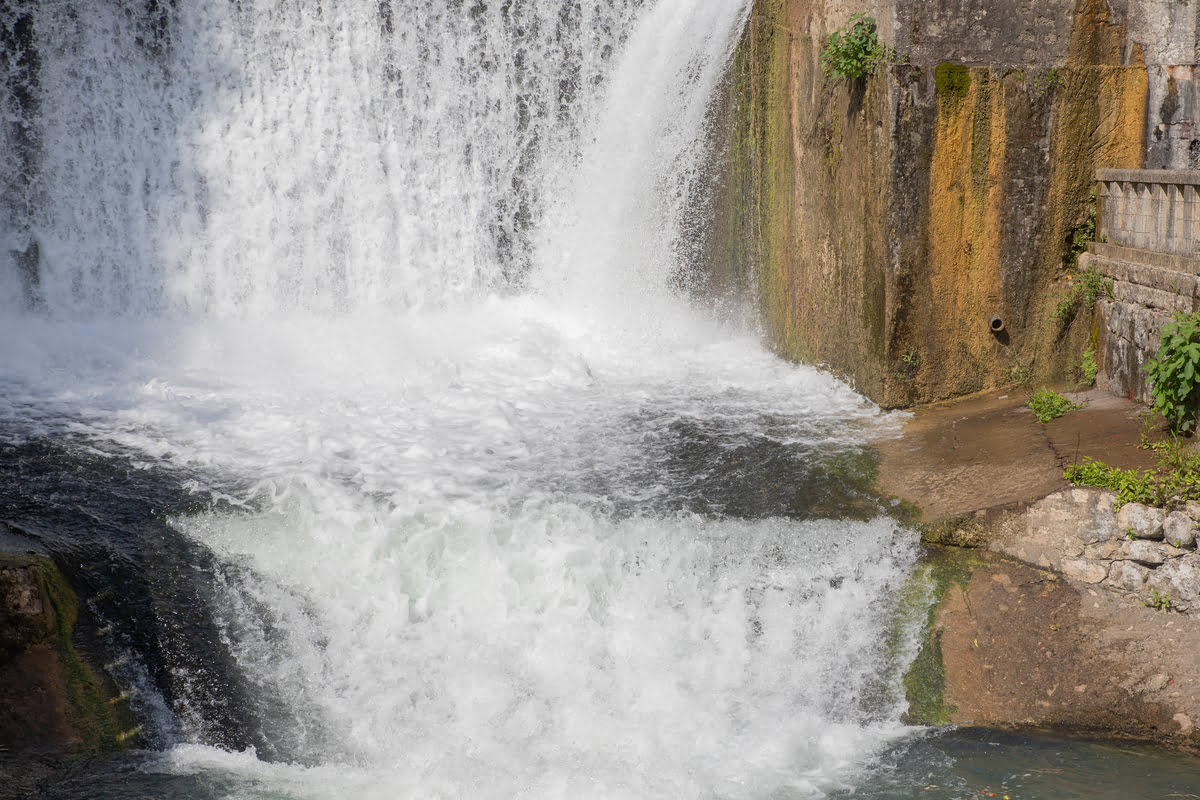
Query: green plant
(1159,600)
(1047,79)
(1130,533)
(1174,481)
(1092,285)
(1089,286)
(855,50)
(1065,310)
(1047,405)
(1174,455)
(1147,424)
(1130,485)
(1088,367)
(1174,373)
(1084,233)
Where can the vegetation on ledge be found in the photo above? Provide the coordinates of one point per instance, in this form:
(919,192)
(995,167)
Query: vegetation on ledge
(1173,482)
(1047,405)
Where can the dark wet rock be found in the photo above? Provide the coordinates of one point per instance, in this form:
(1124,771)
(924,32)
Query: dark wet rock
(51,701)
(26,617)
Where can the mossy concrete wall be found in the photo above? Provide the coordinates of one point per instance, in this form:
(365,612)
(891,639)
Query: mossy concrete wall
(883,221)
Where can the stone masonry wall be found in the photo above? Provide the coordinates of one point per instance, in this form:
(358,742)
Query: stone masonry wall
(1137,550)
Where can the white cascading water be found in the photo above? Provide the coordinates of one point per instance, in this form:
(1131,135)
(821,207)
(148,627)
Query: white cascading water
(404,269)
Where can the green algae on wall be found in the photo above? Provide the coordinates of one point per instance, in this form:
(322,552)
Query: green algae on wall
(925,680)
(800,147)
(952,81)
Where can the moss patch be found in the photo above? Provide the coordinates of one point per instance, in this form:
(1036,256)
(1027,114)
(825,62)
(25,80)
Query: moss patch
(925,681)
(97,719)
(953,81)
(966,531)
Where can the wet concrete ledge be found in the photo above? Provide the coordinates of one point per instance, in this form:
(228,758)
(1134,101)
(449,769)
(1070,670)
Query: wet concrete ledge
(1029,633)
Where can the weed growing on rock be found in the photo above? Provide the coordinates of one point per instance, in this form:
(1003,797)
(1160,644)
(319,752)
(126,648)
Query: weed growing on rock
(1089,287)
(1160,601)
(1086,232)
(1019,373)
(1047,405)
(1174,373)
(1131,485)
(1088,367)
(1047,79)
(854,51)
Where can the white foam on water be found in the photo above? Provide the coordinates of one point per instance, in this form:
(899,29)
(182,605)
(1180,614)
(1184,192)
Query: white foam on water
(549,651)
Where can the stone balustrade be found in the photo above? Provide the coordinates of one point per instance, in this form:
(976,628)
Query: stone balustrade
(1148,244)
(1150,209)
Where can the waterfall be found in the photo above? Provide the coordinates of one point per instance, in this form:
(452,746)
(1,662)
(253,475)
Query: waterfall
(246,158)
(487,508)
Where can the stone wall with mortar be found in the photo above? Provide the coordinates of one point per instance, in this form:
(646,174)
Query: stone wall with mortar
(886,220)
(1138,551)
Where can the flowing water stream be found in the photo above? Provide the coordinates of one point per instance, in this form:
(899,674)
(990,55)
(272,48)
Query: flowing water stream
(347,364)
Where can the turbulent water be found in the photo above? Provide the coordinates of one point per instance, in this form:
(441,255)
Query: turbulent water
(347,365)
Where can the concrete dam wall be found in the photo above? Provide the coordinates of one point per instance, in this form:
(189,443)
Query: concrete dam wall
(917,230)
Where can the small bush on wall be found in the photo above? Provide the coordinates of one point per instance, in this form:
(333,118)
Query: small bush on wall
(855,50)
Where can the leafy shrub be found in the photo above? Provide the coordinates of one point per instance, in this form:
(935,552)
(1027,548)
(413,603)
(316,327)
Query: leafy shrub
(1088,367)
(1048,405)
(1174,374)
(855,50)
(1130,485)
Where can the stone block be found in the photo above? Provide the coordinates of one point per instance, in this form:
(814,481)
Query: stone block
(1149,553)
(1144,522)
(1179,529)
(1128,576)
(1179,579)
(1104,551)
(1084,571)
(1059,527)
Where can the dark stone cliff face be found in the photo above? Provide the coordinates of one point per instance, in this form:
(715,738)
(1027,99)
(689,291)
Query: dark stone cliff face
(883,222)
